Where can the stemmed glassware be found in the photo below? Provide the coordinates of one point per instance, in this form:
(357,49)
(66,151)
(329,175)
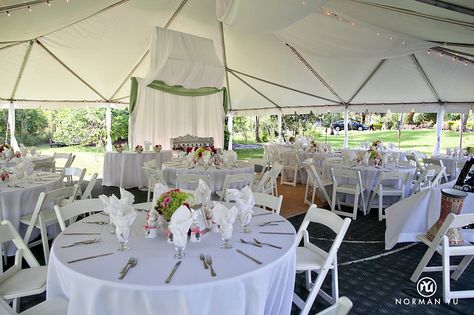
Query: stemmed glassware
(226,234)
(123,234)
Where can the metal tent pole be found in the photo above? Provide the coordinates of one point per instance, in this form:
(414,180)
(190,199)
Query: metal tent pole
(108,127)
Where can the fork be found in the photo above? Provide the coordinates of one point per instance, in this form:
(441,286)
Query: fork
(203,259)
(85,242)
(268,244)
(209,262)
(130,260)
(133,263)
(250,243)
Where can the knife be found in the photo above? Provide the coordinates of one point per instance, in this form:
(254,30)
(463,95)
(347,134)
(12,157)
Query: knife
(90,257)
(248,256)
(168,280)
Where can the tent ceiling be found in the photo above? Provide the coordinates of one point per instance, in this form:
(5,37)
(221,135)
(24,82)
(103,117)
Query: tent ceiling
(87,50)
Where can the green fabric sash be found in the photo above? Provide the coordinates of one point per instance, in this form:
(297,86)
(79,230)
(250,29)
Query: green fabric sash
(176,90)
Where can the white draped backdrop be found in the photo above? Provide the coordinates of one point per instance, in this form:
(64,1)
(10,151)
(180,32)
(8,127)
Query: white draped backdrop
(159,116)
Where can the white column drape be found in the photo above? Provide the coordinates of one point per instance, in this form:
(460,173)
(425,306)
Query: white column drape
(439,128)
(346,123)
(159,116)
(460,129)
(279,127)
(11,123)
(108,127)
(230,124)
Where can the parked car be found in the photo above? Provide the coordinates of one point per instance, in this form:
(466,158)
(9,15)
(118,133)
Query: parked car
(353,125)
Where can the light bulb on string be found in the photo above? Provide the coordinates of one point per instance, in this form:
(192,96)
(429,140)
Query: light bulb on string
(8,13)
(465,63)
(49,4)
(429,51)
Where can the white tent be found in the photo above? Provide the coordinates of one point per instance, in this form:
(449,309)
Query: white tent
(281,56)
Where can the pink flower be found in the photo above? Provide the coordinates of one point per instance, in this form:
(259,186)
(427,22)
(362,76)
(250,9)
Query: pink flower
(166,201)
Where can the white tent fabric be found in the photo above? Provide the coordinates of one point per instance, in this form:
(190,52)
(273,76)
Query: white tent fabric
(320,58)
(199,116)
(183,59)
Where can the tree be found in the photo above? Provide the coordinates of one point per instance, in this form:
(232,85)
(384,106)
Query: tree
(257,129)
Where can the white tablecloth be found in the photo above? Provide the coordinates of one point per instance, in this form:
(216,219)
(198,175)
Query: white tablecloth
(217,175)
(415,215)
(240,287)
(370,175)
(16,202)
(125,169)
(453,165)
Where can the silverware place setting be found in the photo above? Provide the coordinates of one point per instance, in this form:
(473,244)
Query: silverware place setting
(250,243)
(85,242)
(89,257)
(132,262)
(249,257)
(268,244)
(170,276)
(209,263)
(274,222)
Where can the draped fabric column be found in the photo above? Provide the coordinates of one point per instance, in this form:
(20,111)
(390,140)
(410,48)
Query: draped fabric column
(346,123)
(279,127)
(439,128)
(230,124)
(11,123)
(108,126)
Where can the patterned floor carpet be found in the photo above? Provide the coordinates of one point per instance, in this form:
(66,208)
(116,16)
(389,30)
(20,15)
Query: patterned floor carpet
(374,279)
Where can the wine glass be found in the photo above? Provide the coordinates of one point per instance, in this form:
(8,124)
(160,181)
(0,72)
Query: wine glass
(245,219)
(123,233)
(19,175)
(179,242)
(226,234)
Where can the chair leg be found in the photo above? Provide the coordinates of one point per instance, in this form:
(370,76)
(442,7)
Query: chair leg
(308,282)
(446,271)
(380,207)
(16,305)
(314,193)
(306,192)
(333,203)
(295,177)
(335,282)
(44,240)
(422,264)
(461,267)
(356,205)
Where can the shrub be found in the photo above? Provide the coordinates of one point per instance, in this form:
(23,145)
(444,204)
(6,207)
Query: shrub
(377,126)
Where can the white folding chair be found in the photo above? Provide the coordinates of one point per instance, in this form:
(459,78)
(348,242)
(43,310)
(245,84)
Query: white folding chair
(154,176)
(72,210)
(87,194)
(430,161)
(318,184)
(440,244)
(342,307)
(291,168)
(267,201)
(310,258)
(239,180)
(46,165)
(263,164)
(61,161)
(55,306)
(268,183)
(43,215)
(413,160)
(74,175)
(396,188)
(17,282)
(352,187)
(189,182)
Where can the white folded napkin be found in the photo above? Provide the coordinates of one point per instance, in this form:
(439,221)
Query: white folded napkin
(151,164)
(225,217)
(245,202)
(127,196)
(179,225)
(203,193)
(147,145)
(158,190)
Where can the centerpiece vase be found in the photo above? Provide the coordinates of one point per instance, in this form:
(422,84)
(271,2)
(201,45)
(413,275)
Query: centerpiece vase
(452,201)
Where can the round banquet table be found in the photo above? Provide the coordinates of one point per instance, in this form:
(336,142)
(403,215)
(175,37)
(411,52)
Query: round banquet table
(370,175)
(18,201)
(125,169)
(217,173)
(453,165)
(240,287)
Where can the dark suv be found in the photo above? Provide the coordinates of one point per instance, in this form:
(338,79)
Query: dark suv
(353,125)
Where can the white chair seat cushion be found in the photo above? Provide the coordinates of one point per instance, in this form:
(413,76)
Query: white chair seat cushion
(25,282)
(306,259)
(56,306)
(49,217)
(347,188)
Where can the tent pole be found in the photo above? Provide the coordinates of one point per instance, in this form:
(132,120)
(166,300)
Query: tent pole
(279,126)
(108,127)
(230,125)
(11,123)
(346,126)
(461,120)
(439,128)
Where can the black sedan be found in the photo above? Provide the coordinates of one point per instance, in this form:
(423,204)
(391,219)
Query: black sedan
(353,125)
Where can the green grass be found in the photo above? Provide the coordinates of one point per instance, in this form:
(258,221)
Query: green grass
(92,158)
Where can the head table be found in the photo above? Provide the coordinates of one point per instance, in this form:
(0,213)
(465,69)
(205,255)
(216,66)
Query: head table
(240,287)
(125,169)
(217,174)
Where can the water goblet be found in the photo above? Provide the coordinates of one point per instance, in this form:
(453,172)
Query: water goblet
(226,234)
(123,233)
(245,222)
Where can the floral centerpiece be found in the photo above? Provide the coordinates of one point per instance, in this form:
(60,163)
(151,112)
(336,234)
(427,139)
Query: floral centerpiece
(119,147)
(18,154)
(469,150)
(171,200)
(5,146)
(4,175)
(377,143)
(374,154)
(157,147)
(291,140)
(138,148)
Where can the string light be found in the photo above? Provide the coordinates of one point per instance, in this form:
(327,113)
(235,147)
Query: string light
(8,13)
(26,5)
(29,8)
(429,51)
(49,3)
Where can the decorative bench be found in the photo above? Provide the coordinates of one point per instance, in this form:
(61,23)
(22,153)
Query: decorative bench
(183,142)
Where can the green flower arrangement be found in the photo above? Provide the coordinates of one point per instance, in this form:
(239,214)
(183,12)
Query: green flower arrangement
(469,150)
(374,154)
(171,200)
